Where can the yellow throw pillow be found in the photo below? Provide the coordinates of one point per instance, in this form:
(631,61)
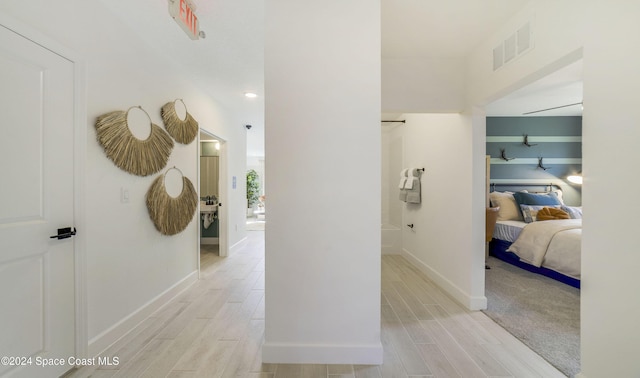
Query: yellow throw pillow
(550,213)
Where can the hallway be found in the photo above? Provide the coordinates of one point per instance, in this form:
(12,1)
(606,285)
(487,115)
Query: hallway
(216,327)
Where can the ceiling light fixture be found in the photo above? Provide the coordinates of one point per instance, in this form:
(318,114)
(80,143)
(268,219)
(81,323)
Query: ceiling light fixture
(576,179)
(250,95)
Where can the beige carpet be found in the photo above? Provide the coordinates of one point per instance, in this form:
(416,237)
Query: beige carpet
(541,312)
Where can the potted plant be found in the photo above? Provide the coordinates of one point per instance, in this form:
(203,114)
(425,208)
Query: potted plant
(253,189)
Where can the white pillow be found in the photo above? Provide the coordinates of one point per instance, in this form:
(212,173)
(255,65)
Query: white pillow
(558,193)
(575,212)
(508,206)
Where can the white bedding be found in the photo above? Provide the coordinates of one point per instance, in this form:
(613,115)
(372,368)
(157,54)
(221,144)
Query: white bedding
(508,230)
(563,254)
(553,244)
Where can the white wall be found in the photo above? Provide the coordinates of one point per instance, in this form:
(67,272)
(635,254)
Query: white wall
(323,176)
(423,85)
(441,243)
(392,164)
(129,263)
(610,305)
(606,33)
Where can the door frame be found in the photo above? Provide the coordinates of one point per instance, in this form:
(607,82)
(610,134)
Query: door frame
(80,153)
(223,213)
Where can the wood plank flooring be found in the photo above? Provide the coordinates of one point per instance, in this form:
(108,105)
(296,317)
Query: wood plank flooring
(216,328)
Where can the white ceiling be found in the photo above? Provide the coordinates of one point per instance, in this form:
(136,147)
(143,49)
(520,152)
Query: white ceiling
(230,60)
(561,88)
(437,28)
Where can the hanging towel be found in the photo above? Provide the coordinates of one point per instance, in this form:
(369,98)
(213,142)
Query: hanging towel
(403,179)
(412,186)
(208,219)
(413,177)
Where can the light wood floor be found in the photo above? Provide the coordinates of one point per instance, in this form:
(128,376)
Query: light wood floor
(216,327)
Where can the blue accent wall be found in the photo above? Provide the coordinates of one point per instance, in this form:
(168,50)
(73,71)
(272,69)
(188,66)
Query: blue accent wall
(558,140)
(211,231)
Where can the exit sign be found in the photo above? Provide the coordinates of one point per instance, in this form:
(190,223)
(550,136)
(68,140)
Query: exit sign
(182,12)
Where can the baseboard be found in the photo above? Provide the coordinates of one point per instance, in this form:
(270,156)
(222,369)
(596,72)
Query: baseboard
(209,240)
(237,245)
(107,338)
(470,302)
(391,250)
(288,353)
(580,375)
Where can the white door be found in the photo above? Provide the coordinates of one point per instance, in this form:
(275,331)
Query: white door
(36,198)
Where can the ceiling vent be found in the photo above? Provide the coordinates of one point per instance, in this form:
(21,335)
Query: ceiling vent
(524,38)
(498,57)
(515,45)
(510,48)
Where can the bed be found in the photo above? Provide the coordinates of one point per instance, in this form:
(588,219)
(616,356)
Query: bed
(539,233)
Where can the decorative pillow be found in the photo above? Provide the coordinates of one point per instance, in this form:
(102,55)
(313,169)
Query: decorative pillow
(536,199)
(558,193)
(550,213)
(508,207)
(530,212)
(575,212)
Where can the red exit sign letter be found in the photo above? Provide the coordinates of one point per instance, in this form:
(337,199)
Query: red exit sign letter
(183,14)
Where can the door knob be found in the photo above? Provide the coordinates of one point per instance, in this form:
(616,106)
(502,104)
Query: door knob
(64,233)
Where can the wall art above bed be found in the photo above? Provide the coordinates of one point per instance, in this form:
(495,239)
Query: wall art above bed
(546,149)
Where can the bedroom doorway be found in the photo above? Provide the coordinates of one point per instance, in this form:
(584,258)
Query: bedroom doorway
(213,219)
(534,139)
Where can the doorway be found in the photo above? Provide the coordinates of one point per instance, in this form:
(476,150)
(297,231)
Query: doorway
(212,217)
(548,114)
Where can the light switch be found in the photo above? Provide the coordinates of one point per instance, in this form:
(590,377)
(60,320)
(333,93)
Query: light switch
(124,195)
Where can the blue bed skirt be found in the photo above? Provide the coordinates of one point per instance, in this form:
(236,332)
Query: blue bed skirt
(498,249)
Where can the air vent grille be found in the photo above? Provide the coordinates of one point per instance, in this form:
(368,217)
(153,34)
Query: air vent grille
(498,57)
(518,43)
(524,38)
(510,48)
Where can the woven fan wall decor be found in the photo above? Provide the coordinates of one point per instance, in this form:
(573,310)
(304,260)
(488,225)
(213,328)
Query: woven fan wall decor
(183,131)
(139,157)
(171,215)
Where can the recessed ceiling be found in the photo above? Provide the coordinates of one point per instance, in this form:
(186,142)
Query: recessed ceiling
(553,92)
